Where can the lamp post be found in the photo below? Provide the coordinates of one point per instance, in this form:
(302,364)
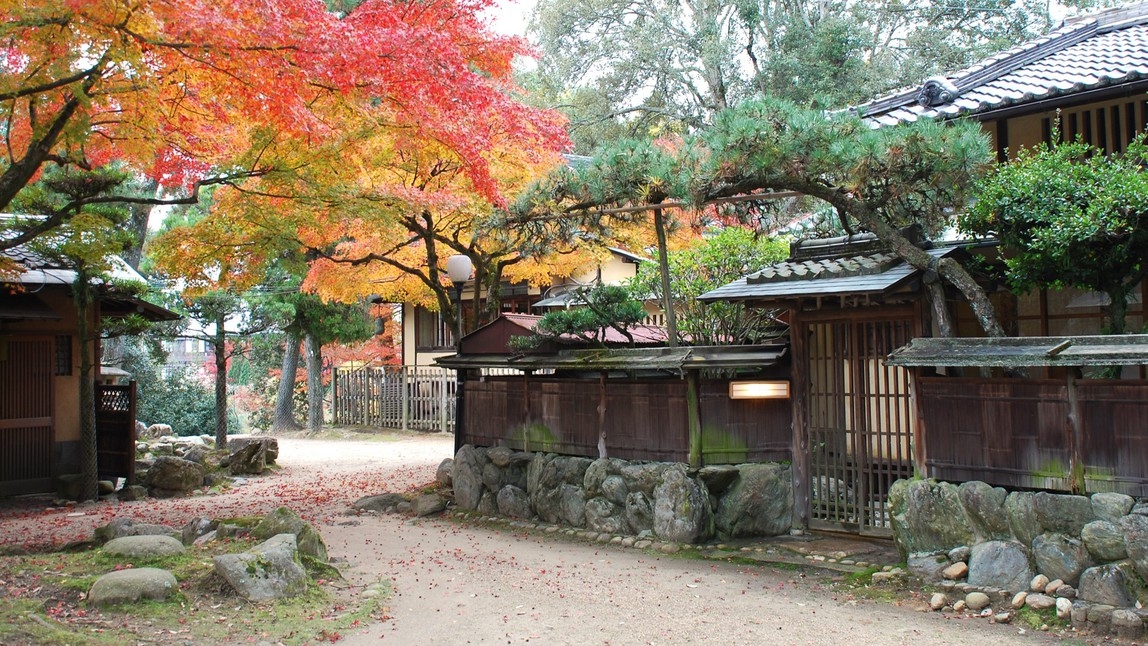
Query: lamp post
(458,268)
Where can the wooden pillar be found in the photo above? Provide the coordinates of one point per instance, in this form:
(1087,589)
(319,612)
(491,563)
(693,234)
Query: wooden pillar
(1074,437)
(602,414)
(799,340)
(694,419)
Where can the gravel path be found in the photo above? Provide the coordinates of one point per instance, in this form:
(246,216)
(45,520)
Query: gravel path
(456,583)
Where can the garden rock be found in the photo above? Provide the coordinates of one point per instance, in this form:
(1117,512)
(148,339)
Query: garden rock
(1104,540)
(285,521)
(985,507)
(605,517)
(69,486)
(156,431)
(1022,517)
(1135,529)
(999,564)
(132,493)
(639,512)
(172,476)
(513,502)
(270,570)
(927,516)
(132,585)
(718,478)
(385,503)
(682,511)
(1113,584)
(128,527)
(466,474)
(247,458)
(442,475)
(197,527)
(644,477)
(1062,513)
(148,546)
(977,601)
(1060,557)
(428,504)
(572,505)
(1111,506)
(928,567)
(237,442)
(758,503)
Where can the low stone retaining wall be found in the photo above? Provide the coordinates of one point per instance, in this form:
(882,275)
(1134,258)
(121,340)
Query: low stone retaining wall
(668,501)
(1087,554)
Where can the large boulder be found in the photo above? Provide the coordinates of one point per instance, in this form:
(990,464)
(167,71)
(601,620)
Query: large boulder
(1104,540)
(682,511)
(927,516)
(466,476)
(718,478)
(386,503)
(1135,528)
(156,431)
(1060,557)
(605,517)
(428,504)
(1111,506)
(443,474)
(132,585)
(644,477)
(572,505)
(985,508)
(554,484)
(270,570)
(639,512)
(247,459)
(270,445)
(1113,584)
(172,476)
(148,546)
(758,503)
(1022,517)
(285,521)
(1062,513)
(1000,564)
(514,502)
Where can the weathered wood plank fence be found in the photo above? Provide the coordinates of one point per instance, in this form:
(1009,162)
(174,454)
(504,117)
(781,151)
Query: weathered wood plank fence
(1018,433)
(402,397)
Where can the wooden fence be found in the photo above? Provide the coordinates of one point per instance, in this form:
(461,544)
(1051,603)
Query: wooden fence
(1018,433)
(402,397)
(643,420)
(116,431)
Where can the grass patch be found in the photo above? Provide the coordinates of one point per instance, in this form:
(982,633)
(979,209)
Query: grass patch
(42,601)
(1035,619)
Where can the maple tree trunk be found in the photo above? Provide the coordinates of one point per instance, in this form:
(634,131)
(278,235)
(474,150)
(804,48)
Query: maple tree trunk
(314,384)
(284,416)
(941,315)
(220,349)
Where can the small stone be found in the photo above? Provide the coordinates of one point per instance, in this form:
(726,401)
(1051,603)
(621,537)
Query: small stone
(977,600)
(1063,608)
(1002,618)
(1019,599)
(1066,592)
(1053,586)
(628,541)
(956,571)
(959,554)
(938,601)
(643,544)
(1040,601)
(1039,583)
(959,606)
(670,548)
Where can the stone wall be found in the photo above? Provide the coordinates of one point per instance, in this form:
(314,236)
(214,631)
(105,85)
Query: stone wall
(1089,550)
(668,501)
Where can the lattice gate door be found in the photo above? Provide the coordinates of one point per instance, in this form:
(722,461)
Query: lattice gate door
(26,416)
(860,422)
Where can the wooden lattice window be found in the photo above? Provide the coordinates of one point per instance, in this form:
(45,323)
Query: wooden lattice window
(63,356)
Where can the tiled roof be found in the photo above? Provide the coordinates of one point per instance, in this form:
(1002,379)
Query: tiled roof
(643,334)
(1088,53)
(875,273)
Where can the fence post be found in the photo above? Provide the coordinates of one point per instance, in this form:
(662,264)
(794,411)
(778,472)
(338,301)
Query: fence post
(335,395)
(406,396)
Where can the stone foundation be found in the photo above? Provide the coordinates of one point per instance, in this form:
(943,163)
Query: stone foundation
(1091,551)
(667,501)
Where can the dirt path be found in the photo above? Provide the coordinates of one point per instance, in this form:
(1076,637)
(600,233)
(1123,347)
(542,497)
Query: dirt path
(456,583)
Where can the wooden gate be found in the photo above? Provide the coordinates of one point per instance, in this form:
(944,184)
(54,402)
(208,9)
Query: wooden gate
(859,421)
(26,424)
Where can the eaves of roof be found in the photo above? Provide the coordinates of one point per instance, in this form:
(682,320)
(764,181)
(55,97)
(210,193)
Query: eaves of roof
(1013,352)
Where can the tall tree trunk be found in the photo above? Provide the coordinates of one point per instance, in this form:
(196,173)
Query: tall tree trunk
(219,345)
(314,384)
(137,225)
(89,458)
(284,416)
(664,271)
